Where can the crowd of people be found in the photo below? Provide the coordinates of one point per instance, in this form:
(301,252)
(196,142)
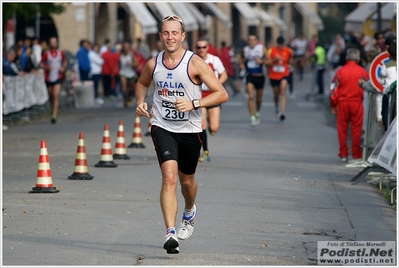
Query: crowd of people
(118,66)
(350,73)
(23,57)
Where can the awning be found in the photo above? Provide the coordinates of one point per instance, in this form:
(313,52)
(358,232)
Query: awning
(163,9)
(356,19)
(266,18)
(198,15)
(181,9)
(219,14)
(307,12)
(247,12)
(361,13)
(280,23)
(147,21)
(388,13)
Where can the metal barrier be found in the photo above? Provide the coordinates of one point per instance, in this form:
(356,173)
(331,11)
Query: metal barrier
(23,91)
(393,202)
(373,130)
(25,98)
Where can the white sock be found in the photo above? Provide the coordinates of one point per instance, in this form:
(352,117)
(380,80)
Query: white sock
(171,230)
(189,213)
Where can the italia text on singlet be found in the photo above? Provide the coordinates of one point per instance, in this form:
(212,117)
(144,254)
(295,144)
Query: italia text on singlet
(171,84)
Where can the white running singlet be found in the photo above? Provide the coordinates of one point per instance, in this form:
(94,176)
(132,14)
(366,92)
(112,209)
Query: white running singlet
(171,84)
(217,67)
(251,54)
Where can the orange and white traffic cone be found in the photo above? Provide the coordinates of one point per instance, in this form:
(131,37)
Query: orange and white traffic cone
(120,147)
(106,151)
(44,182)
(149,124)
(81,170)
(137,139)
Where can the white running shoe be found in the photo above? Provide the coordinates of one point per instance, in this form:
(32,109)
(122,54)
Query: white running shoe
(171,244)
(100,101)
(257,116)
(187,226)
(254,121)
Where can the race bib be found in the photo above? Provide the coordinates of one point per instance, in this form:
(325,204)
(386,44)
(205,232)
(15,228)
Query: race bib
(170,113)
(252,64)
(278,68)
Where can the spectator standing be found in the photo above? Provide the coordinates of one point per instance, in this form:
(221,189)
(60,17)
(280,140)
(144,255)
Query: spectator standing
(19,58)
(380,45)
(36,52)
(334,55)
(105,47)
(141,60)
(390,73)
(83,60)
(96,64)
(228,65)
(143,47)
(23,59)
(320,65)
(44,46)
(213,50)
(380,41)
(236,67)
(347,103)
(54,64)
(312,47)
(127,63)
(110,72)
(9,66)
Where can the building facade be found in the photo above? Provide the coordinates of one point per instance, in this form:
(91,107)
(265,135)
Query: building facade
(223,21)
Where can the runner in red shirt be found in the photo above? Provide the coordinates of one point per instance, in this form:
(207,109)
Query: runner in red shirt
(54,64)
(279,59)
(347,103)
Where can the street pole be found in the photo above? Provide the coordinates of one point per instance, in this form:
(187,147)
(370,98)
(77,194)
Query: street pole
(37,26)
(379,22)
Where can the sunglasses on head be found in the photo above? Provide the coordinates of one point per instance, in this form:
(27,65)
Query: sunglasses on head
(172,17)
(198,47)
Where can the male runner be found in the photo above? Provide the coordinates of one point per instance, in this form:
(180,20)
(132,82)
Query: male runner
(177,74)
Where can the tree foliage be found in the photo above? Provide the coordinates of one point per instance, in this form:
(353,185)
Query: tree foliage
(333,16)
(28,10)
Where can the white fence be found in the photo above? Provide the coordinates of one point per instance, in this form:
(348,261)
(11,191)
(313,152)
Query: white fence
(22,92)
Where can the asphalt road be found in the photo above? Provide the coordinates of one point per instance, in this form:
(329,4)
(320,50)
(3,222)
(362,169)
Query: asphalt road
(268,195)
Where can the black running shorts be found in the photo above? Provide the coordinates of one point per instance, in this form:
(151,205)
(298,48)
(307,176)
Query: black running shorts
(183,147)
(257,81)
(276,83)
(50,84)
